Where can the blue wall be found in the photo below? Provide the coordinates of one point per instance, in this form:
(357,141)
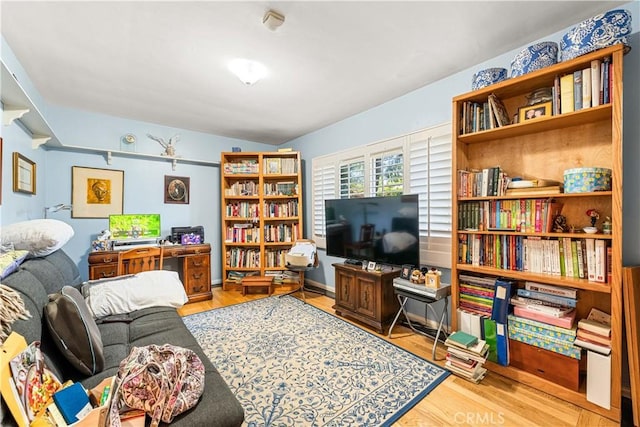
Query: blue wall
(422,108)
(432,105)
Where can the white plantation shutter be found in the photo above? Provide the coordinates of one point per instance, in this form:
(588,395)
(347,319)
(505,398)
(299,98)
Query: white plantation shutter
(419,163)
(430,178)
(324,187)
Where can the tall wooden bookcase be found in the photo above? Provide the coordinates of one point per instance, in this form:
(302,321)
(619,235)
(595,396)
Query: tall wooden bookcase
(544,148)
(261,212)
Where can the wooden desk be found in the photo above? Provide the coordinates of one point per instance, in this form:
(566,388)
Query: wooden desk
(192,262)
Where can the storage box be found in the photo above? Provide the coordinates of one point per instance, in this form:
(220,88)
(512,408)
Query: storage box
(585,180)
(602,30)
(546,364)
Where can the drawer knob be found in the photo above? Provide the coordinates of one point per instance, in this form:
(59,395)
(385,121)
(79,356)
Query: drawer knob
(197,275)
(104,274)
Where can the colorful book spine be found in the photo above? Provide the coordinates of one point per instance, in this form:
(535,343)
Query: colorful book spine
(554,299)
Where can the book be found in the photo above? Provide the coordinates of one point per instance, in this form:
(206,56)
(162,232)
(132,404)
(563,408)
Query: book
(583,334)
(499,110)
(526,191)
(586,88)
(461,339)
(553,299)
(598,379)
(500,310)
(73,402)
(566,94)
(541,306)
(550,289)
(35,383)
(595,82)
(577,90)
(565,321)
(598,348)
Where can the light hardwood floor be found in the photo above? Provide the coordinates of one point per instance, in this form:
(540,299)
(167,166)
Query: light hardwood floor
(496,401)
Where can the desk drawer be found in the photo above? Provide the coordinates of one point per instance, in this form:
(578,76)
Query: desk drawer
(102,271)
(196,280)
(197,261)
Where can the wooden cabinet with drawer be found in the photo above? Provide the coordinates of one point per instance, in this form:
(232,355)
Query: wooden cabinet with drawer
(192,262)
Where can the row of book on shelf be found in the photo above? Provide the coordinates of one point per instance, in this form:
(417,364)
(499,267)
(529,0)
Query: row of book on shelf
(34,394)
(279,276)
(499,311)
(280,165)
(251,210)
(581,89)
(582,258)
(496,182)
(521,215)
(248,188)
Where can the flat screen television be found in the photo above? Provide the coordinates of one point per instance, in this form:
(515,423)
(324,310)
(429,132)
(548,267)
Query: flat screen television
(379,229)
(134,226)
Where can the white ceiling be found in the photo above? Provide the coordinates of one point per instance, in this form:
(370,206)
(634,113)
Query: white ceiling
(165,62)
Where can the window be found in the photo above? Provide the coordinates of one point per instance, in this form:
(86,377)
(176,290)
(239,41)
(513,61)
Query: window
(418,163)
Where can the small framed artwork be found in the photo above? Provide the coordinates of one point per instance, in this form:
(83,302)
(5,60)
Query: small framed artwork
(406,271)
(176,189)
(24,174)
(96,193)
(371,266)
(536,111)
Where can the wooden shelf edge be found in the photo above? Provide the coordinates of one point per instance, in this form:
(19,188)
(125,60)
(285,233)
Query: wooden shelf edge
(545,278)
(577,398)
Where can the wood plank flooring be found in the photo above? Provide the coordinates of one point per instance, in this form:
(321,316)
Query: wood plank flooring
(495,401)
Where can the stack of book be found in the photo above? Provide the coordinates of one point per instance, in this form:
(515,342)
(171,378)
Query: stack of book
(548,304)
(466,355)
(476,294)
(594,332)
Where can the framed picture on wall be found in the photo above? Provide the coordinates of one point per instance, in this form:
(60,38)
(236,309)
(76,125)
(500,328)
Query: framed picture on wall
(24,174)
(176,189)
(96,193)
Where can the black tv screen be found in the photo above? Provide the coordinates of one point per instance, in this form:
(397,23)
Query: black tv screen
(379,229)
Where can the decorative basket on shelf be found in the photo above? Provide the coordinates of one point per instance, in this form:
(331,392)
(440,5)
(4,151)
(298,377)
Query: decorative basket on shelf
(487,77)
(603,30)
(534,57)
(585,180)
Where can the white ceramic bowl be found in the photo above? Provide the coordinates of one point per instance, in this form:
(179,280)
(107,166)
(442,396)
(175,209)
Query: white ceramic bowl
(590,230)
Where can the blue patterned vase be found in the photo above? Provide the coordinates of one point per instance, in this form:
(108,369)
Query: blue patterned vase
(534,57)
(605,29)
(484,78)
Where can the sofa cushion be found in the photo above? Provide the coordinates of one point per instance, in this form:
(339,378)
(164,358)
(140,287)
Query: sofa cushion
(75,331)
(39,236)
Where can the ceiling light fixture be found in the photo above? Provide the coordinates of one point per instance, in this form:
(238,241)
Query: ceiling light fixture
(247,71)
(272,20)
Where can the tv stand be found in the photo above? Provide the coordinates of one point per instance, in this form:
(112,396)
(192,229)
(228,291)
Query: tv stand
(356,262)
(366,296)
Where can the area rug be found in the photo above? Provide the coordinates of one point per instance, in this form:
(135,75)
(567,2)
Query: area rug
(291,364)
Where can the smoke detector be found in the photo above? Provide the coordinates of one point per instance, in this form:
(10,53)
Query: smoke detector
(272,20)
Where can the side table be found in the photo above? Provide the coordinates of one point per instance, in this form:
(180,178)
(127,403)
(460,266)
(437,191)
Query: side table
(405,290)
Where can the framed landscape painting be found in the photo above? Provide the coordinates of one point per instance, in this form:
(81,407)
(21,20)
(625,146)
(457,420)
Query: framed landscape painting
(96,193)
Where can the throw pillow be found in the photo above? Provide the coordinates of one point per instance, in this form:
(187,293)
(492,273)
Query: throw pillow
(75,331)
(125,294)
(11,309)
(10,261)
(39,236)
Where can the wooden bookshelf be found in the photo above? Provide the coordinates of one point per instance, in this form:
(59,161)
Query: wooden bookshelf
(261,212)
(545,148)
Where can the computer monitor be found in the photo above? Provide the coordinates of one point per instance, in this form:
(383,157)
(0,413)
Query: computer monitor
(134,226)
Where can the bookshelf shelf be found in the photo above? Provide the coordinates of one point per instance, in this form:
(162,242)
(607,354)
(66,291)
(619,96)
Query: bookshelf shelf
(543,148)
(274,185)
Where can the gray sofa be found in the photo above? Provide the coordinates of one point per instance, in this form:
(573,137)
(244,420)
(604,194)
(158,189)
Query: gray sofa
(39,277)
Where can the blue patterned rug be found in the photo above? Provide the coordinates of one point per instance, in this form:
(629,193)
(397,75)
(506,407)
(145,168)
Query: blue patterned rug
(291,364)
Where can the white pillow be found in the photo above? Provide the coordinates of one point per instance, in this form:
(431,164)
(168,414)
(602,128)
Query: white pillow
(134,292)
(39,236)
